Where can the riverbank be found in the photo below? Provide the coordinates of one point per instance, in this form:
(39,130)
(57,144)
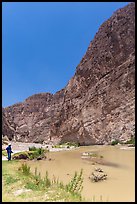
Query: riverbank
(22,146)
(23,186)
(119,166)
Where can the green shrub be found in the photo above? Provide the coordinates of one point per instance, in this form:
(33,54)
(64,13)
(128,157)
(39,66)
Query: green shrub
(131,141)
(114,142)
(33,153)
(40,151)
(33,148)
(31,185)
(75,185)
(10,179)
(25,169)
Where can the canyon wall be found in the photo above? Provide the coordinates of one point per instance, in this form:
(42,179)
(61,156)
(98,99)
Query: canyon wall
(98,103)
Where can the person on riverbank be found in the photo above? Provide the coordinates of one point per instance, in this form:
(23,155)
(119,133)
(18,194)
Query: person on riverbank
(9,151)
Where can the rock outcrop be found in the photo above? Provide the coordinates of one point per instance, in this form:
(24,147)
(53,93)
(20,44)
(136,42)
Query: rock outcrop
(98,103)
(8,130)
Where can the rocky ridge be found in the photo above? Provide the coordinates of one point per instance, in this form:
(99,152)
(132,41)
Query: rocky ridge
(98,103)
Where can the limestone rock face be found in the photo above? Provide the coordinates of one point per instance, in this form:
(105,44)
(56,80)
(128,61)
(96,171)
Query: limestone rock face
(98,103)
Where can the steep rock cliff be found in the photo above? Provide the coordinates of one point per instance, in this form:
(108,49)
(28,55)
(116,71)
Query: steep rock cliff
(97,105)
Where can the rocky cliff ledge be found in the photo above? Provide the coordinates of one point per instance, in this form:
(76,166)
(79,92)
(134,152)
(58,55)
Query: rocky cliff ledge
(98,103)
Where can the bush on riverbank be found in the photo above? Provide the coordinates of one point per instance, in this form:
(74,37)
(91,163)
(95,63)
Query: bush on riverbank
(37,153)
(131,141)
(115,142)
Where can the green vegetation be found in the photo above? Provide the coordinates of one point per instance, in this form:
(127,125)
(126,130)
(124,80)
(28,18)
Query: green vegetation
(21,178)
(39,151)
(75,185)
(66,144)
(33,153)
(37,182)
(25,169)
(33,148)
(93,154)
(72,144)
(10,180)
(131,141)
(115,142)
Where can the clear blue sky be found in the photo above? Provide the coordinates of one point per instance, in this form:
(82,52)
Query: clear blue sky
(42,43)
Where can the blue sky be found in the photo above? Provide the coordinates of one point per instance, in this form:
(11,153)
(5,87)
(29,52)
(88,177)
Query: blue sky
(43,42)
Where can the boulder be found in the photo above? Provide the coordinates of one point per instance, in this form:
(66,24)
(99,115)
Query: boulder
(99,169)
(95,177)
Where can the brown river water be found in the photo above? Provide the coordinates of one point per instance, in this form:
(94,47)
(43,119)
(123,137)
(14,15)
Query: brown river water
(119,166)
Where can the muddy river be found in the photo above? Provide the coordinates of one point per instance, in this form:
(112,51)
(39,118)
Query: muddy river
(119,166)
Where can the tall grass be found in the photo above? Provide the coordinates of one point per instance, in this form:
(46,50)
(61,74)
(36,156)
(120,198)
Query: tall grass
(75,185)
(36,182)
(25,169)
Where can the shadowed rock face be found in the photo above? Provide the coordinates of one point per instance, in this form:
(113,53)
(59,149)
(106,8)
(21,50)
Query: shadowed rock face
(97,105)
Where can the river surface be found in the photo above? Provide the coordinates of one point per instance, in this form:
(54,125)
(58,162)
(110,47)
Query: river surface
(120,168)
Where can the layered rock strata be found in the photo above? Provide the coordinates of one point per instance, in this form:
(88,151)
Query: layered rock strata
(98,103)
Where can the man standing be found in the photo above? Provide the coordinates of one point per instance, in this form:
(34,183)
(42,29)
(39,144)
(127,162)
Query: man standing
(9,151)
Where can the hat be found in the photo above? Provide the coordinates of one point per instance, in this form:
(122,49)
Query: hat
(9,144)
